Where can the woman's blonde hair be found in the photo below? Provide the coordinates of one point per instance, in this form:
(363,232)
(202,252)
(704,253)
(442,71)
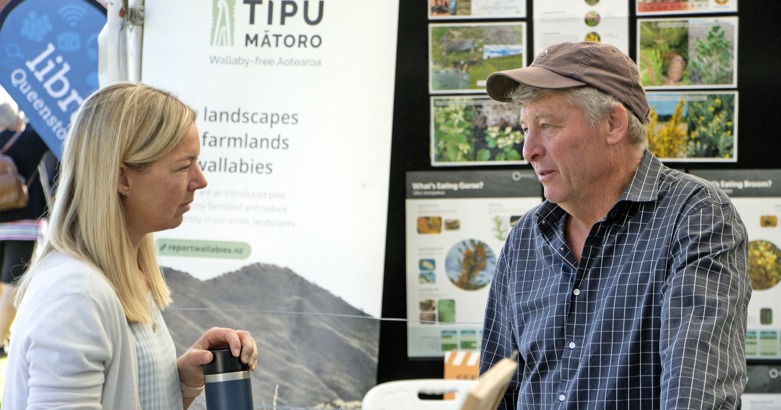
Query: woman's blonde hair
(124,123)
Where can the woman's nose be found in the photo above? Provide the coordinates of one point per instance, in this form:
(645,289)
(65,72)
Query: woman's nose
(199,182)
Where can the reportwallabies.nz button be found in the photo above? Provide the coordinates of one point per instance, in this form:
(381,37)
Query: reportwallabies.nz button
(203,249)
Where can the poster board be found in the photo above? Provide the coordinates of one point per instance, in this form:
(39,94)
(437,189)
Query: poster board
(456,225)
(604,21)
(757,197)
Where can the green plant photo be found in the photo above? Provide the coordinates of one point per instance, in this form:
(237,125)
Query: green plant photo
(475,130)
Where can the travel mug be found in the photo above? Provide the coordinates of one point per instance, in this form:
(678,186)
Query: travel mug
(228,383)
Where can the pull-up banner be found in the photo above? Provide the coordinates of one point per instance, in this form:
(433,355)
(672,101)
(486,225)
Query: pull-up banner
(295,110)
(49,60)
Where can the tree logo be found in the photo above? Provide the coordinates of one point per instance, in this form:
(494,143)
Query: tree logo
(223,22)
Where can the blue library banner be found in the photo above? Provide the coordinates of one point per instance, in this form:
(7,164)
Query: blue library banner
(49,62)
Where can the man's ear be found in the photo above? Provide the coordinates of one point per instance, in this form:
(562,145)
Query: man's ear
(618,124)
(123,186)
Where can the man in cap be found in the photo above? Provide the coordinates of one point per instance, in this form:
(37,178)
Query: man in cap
(627,287)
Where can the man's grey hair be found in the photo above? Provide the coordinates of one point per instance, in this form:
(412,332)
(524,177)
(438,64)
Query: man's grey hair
(594,103)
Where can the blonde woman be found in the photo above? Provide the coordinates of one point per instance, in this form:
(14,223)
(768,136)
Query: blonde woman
(88,332)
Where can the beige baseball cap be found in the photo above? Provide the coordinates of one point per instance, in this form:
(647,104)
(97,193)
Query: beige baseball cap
(567,65)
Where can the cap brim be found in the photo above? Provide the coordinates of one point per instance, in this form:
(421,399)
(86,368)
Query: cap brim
(499,84)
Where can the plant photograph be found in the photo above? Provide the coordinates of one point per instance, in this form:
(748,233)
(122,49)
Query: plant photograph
(427,277)
(692,126)
(470,264)
(764,264)
(475,131)
(462,56)
(442,9)
(429,225)
(687,53)
(446,311)
(592,18)
(649,7)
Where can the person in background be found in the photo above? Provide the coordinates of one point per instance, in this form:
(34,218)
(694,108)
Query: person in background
(89,333)
(19,228)
(627,287)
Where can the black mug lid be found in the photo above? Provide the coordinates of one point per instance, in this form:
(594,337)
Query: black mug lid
(224,362)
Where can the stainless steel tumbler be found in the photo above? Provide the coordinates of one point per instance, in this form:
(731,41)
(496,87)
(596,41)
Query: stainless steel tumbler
(228,382)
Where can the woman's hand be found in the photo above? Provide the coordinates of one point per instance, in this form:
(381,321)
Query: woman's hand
(240,342)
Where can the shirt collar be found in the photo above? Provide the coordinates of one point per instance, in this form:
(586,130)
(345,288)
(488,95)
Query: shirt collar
(643,186)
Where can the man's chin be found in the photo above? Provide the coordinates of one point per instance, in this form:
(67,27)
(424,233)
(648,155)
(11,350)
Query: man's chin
(551,196)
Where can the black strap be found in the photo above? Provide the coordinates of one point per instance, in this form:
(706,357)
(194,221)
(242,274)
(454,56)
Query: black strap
(10,142)
(8,145)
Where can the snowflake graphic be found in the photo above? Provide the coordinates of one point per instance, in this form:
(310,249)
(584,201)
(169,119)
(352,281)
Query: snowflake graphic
(35,27)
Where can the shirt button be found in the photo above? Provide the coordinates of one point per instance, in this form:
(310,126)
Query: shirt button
(561,397)
(571,345)
(576,292)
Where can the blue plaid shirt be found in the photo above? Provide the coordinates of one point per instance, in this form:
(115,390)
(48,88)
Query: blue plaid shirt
(652,316)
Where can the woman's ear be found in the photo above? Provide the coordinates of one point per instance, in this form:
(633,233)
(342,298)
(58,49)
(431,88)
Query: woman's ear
(123,187)
(618,124)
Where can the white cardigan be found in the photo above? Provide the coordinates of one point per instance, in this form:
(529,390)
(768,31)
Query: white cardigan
(71,347)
